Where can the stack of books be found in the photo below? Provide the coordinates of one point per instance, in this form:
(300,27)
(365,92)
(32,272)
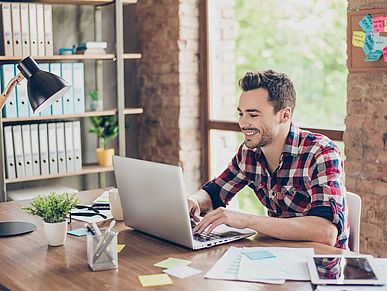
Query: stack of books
(92,47)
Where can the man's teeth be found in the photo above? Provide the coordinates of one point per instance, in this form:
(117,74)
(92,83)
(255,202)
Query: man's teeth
(250,133)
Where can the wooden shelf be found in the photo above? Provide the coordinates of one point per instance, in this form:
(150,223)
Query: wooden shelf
(132,56)
(128,56)
(85,2)
(62,57)
(127,111)
(86,169)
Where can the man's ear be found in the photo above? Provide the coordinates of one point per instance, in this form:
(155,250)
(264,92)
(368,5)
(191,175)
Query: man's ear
(286,114)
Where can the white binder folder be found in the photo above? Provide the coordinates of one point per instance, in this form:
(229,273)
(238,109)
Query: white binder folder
(43,146)
(7,73)
(40,29)
(33,30)
(47,111)
(69,146)
(27,150)
(48,30)
(25,30)
(52,149)
(77,145)
(9,154)
(61,147)
(35,149)
(57,107)
(23,106)
(18,147)
(79,87)
(68,98)
(6,27)
(16,31)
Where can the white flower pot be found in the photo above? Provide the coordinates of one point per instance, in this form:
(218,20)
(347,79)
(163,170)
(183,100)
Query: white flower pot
(55,233)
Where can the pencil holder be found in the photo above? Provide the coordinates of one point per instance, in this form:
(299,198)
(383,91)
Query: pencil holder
(102,251)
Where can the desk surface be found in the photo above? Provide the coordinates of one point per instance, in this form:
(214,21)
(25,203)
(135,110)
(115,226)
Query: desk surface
(27,263)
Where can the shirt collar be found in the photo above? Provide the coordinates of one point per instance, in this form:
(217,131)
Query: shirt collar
(292,141)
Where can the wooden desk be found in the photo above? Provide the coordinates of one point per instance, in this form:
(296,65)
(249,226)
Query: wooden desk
(27,263)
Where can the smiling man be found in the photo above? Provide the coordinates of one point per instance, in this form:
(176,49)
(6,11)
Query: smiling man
(297,175)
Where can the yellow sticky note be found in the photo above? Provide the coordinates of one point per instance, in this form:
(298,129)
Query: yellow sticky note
(119,248)
(358,38)
(385,24)
(172,262)
(155,280)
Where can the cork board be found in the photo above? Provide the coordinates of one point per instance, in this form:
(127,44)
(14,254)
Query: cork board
(356,55)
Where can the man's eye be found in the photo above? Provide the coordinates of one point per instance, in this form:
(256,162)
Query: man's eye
(254,115)
(240,114)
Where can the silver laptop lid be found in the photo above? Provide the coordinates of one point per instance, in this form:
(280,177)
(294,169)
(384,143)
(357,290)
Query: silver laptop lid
(153,199)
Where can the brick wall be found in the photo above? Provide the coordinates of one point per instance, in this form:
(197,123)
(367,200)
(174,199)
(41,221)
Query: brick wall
(365,148)
(169,131)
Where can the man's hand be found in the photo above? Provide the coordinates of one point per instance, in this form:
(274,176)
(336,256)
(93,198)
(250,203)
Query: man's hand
(193,209)
(219,216)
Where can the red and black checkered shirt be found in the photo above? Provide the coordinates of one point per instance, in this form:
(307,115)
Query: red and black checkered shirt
(307,182)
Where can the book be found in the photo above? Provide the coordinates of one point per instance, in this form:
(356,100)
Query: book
(91,52)
(92,45)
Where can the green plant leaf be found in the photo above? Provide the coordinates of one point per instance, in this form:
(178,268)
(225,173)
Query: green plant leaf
(52,208)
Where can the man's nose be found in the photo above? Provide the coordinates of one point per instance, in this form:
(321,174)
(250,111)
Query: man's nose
(243,123)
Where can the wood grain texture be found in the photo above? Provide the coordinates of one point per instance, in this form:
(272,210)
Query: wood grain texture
(27,263)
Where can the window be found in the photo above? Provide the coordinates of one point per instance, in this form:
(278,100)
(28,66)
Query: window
(304,39)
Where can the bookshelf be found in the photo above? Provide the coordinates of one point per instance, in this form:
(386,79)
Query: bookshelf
(112,57)
(118,56)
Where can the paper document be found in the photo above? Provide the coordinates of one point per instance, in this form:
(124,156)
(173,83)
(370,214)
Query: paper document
(226,268)
(287,264)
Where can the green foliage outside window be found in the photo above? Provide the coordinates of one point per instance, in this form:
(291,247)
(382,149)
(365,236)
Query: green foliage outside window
(307,41)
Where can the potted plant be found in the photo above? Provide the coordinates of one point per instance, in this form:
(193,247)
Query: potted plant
(53,209)
(106,129)
(96,103)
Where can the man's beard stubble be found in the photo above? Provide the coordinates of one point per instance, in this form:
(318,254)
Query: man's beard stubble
(265,140)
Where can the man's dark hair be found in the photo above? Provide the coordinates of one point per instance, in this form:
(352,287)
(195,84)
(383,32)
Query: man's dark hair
(281,89)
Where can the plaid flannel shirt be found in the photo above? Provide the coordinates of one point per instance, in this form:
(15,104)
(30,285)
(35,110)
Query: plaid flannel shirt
(308,180)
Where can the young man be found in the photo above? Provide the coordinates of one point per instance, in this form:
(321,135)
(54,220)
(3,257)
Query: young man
(296,174)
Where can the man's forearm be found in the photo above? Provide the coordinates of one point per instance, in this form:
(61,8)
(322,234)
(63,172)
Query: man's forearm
(203,199)
(308,228)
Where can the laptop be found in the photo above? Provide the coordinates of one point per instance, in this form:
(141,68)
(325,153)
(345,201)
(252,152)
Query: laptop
(154,201)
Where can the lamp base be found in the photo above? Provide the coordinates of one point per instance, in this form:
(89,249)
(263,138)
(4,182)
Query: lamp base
(11,228)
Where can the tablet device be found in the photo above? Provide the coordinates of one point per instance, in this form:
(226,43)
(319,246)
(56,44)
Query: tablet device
(345,269)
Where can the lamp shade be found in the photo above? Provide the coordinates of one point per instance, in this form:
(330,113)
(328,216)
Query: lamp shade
(43,88)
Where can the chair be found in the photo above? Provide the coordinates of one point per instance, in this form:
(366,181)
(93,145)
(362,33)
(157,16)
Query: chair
(354,214)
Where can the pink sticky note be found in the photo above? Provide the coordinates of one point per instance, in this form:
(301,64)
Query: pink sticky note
(378,23)
(385,54)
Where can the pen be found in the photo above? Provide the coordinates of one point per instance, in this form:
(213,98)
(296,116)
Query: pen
(96,228)
(89,229)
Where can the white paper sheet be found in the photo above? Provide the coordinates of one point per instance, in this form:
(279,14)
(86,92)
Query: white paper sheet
(288,264)
(182,272)
(226,268)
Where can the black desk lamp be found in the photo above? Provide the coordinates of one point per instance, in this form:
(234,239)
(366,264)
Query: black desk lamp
(43,89)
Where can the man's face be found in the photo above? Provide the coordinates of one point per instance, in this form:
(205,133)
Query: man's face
(257,120)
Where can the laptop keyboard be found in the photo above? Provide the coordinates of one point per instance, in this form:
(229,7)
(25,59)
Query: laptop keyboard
(203,237)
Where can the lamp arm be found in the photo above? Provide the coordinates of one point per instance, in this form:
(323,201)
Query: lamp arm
(10,86)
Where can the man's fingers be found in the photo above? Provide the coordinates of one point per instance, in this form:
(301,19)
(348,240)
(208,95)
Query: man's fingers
(215,223)
(206,221)
(195,217)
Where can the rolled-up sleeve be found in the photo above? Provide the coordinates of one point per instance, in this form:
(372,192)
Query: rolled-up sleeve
(224,187)
(327,187)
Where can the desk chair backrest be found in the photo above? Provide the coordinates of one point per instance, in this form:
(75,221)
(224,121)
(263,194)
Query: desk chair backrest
(354,214)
